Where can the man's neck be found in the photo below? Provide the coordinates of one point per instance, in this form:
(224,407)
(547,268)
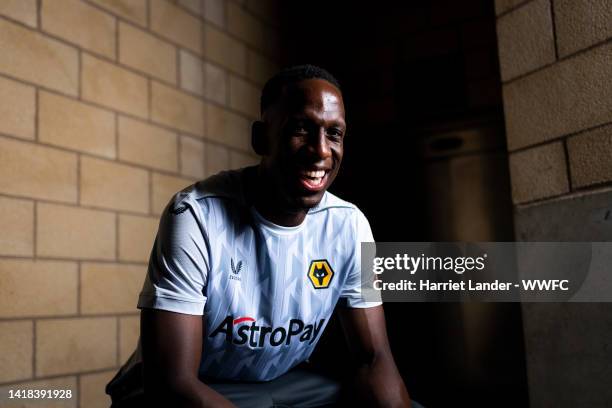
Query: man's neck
(269,203)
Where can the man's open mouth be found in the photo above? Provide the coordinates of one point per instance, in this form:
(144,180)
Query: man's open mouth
(313,180)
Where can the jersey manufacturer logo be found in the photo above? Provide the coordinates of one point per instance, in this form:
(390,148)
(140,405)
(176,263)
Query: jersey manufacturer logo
(236,268)
(243,330)
(320,273)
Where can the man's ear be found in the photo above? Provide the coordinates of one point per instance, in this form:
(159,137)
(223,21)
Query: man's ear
(259,140)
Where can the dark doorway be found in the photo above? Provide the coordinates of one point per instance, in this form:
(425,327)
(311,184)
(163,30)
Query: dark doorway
(425,159)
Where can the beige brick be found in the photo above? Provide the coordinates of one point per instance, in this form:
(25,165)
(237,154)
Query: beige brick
(192,157)
(581,23)
(112,185)
(215,83)
(36,58)
(501,6)
(525,39)
(244,97)
(590,157)
(65,383)
(195,6)
(27,169)
(91,391)
(251,29)
(20,10)
(71,232)
(245,26)
(217,158)
(133,10)
(136,237)
(37,288)
(17,220)
(148,145)
(228,128)
(177,25)
(224,50)
(147,53)
(563,99)
(129,332)
(112,86)
(164,187)
(538,173)
(192,74)
(260,68)
(16,351)
(17,109)
(75,125)
(72,345)
(110,288)
(239,160)
(177,109)
(80,23)
(214,11)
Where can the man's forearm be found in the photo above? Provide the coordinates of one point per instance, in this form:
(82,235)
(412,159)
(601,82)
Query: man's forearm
(381,383)
(191,393)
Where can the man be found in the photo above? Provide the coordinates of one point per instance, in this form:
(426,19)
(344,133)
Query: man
(248,266)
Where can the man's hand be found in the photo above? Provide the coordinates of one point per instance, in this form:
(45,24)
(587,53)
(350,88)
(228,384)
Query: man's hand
(377,376)
(171,352)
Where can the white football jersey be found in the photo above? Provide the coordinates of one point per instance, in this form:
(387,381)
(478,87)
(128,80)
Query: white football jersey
(266,291)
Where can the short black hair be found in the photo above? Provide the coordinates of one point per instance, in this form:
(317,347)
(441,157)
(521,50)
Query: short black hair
(274,87)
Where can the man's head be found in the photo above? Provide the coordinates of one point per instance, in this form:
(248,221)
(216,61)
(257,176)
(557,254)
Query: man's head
(301,134)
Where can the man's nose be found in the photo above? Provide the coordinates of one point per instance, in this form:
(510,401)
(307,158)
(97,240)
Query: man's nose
(320,145)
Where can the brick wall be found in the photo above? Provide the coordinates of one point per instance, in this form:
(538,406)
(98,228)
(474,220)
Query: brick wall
(108,107)
(556,68)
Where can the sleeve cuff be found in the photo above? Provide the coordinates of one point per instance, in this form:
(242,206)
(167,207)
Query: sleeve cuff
(171,304)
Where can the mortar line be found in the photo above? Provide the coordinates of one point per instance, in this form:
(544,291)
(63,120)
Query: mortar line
(79,96)
(78,180)
(117,40)
(35,229)
(513,8)
(34,348)
(179,160)
(117,340)
(36,112)
(78,308)
(554,28)
(568,171)
(117,237)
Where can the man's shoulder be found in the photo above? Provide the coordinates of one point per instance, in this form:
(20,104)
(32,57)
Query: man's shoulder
(226,185)
(332,202)
(338,208)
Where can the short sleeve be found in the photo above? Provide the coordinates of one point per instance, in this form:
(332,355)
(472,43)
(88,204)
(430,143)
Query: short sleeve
(351,295)
(178,266)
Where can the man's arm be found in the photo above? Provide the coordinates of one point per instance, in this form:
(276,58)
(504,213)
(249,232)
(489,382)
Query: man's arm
(171,351)
(377,375)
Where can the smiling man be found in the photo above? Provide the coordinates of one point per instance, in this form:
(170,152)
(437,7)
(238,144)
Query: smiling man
(248,266)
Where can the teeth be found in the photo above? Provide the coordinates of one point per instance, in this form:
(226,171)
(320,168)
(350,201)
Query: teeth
(315,174)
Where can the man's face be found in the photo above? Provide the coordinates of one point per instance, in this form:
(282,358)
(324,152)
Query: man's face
(305,133)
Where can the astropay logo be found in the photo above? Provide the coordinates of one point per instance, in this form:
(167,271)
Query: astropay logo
(245,330)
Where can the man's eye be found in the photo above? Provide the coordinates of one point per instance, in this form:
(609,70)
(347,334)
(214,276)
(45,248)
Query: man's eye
(299,128)
(335,133)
